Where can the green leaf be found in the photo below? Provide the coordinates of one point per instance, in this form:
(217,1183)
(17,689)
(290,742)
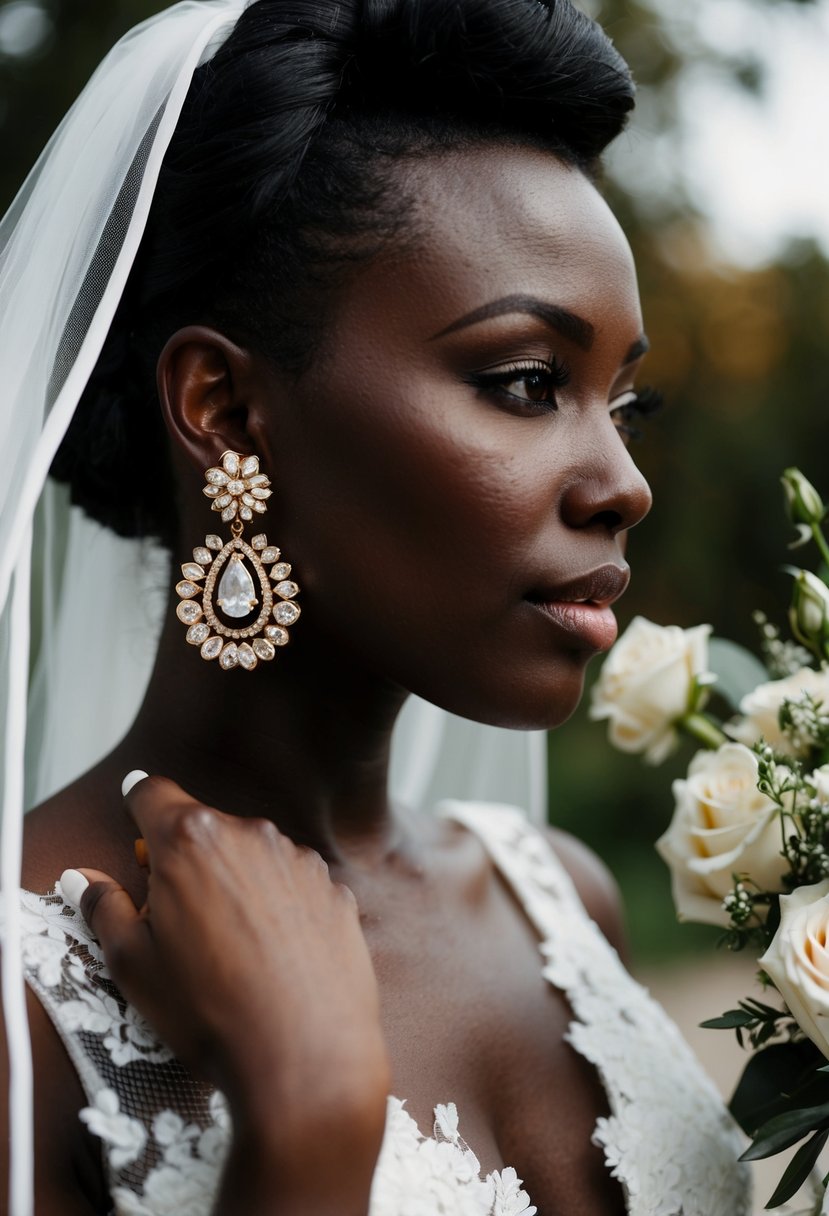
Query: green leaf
(776,1080)
(785,1130)
(798,1169)
(730,1020)
(738,670)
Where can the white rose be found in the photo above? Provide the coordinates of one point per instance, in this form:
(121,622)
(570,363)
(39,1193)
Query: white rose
(798,959)
(761,708)
(645,685)
(722,825)
(820,777)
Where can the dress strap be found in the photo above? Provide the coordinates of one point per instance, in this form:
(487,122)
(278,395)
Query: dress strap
(525,857)
(668,1138)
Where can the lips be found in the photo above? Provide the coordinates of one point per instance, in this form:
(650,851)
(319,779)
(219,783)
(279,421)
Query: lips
(600,587)
(580,608)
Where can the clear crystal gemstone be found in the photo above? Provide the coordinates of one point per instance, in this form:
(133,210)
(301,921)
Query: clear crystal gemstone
(247,658)
(261,492)
(230,464)
(214,542)
(281,571)
(286,590)
(230,656)
(263,649)
(260,507)
(223,501)
(212,648)
(197,634)
(203,556)
(229,513)
(247,500)
(285,614)
(192,571)
(259,480)
(278,636)
(259,541)
(188,612)
(212,491)
(245,513)
(187,590)
(216,477)
(236,596)
(250,466)
(271,554)
(235,488)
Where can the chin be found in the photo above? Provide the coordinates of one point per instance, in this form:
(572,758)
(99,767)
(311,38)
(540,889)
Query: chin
(542,698)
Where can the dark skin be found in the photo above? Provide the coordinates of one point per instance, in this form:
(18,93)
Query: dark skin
(421,509)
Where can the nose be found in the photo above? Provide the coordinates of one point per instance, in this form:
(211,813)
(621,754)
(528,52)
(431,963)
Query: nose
(607,491)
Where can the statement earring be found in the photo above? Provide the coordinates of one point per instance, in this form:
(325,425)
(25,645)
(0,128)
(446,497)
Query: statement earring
(235,609)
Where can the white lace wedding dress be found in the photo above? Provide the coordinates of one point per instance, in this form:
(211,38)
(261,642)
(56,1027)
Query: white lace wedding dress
(668,1138)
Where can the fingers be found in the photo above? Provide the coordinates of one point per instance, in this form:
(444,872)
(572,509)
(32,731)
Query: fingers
(103,903)
(154,802)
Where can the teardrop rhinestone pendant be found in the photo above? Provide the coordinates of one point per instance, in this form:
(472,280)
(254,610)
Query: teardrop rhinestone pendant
(236,609)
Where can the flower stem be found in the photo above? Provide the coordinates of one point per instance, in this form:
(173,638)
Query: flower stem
(703,729)
(820,541)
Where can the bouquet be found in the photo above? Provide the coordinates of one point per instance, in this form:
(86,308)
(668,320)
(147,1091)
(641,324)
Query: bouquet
(748,845)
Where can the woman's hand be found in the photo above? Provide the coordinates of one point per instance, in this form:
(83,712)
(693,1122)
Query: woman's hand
(251,965)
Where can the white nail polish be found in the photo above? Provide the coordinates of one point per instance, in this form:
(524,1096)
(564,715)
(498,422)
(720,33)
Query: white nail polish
(73,884)
(132,779)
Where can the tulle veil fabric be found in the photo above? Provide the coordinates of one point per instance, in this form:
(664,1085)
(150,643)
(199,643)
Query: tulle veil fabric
(80,609)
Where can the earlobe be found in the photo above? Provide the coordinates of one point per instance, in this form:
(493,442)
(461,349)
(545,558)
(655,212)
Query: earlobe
(208,397)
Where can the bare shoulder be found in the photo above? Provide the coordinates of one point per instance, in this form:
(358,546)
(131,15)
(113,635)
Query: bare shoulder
(596,886)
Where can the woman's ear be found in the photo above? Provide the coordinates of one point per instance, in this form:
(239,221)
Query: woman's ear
(211,397)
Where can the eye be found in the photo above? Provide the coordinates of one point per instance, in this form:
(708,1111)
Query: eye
(529,384)
(634,405)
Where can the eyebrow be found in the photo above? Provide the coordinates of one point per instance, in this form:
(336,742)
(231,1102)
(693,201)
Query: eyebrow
(567,323)
(570,326)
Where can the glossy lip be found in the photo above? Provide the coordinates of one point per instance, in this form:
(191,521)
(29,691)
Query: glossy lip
(581,607)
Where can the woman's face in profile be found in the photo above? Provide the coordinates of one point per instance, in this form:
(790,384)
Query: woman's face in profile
(450,473)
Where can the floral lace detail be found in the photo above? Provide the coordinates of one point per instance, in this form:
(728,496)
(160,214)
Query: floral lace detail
(165,1136)
(438,1176)
(668,1139)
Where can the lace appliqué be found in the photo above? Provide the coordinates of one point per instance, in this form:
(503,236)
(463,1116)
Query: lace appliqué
(668,1139)
(438,1176)
(164,1135)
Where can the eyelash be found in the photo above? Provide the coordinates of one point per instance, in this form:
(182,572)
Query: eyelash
(555,374)
(645,403)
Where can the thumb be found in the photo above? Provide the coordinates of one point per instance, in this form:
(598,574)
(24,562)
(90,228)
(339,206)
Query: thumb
(103,903)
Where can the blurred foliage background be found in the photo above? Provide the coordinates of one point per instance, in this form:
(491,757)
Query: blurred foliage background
(741,355)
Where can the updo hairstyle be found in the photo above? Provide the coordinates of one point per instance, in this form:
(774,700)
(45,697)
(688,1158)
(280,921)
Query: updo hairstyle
(283,173)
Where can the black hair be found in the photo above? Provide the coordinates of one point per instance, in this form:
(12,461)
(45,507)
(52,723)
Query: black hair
(279,178)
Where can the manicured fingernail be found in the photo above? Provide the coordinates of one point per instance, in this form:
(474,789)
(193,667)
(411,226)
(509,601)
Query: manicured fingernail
(73,884)
(132,779)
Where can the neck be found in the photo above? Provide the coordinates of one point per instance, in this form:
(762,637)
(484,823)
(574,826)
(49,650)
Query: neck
(303,740)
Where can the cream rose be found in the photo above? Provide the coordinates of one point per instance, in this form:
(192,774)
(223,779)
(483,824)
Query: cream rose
(722,825)
(798,959)
(760,708)
(820,778)
(645,685)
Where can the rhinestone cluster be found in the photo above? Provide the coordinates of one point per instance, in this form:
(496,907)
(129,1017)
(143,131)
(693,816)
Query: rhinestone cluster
(238,491)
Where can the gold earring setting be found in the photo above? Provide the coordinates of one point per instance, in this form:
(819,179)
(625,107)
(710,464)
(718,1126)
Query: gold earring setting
(236,609)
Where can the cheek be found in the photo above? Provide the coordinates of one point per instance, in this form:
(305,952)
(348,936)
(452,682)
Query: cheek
(412,519)
(402,495)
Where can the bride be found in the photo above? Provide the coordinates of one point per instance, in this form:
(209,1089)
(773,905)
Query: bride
(370,379)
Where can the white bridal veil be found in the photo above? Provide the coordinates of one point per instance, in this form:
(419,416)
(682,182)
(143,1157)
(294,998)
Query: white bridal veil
(79,608)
